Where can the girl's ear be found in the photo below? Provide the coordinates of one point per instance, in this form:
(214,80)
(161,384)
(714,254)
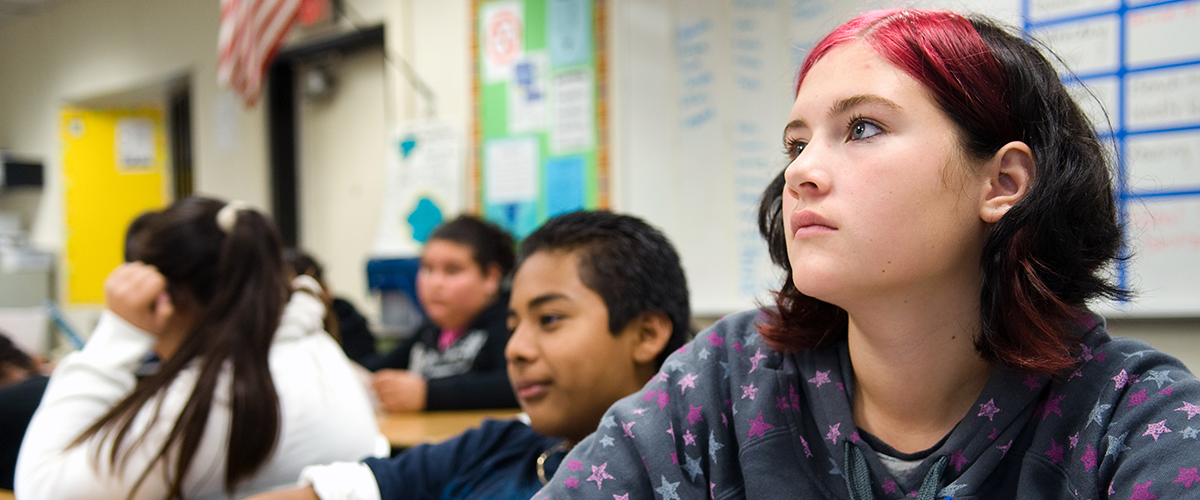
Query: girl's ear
(1009,175)
(653,331)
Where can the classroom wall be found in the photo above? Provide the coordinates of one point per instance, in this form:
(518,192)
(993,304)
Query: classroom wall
(79,50)
(344,140)
(83,50)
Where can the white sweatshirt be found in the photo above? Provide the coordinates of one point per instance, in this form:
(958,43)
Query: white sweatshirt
(325,410)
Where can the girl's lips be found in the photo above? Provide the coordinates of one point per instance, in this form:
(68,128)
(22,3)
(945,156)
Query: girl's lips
(809,223)
(530,390)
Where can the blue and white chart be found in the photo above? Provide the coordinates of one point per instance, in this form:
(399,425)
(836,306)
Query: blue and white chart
(1140,60)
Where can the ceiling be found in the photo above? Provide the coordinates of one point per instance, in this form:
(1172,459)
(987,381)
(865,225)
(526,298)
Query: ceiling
(14,9)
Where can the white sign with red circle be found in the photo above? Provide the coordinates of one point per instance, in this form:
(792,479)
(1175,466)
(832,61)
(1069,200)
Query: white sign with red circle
(502,25)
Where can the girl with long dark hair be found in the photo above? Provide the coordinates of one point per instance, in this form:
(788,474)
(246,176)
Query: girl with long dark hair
(250,388)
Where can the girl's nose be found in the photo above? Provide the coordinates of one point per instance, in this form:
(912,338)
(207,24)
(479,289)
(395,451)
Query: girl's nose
(806,176)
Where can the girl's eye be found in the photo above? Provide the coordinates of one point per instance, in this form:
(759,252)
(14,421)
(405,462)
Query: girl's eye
(794,147)
(862,129)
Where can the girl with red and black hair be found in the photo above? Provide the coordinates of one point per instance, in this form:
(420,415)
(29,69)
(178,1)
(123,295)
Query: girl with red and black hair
(945,218)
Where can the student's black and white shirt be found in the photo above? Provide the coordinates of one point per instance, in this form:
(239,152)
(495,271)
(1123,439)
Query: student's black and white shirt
(470,373)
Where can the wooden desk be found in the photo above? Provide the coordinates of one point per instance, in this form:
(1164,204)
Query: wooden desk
(6,495)
(404,430)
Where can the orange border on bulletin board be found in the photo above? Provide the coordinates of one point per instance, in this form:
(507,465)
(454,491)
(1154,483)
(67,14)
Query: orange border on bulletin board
(603,179)
(600,28)
(474,205)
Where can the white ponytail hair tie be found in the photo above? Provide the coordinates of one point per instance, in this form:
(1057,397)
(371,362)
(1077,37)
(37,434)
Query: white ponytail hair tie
(227,216)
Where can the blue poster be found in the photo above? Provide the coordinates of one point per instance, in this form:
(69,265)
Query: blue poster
(564,185)
(569,32)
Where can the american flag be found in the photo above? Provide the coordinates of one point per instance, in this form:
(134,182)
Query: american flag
(250,34)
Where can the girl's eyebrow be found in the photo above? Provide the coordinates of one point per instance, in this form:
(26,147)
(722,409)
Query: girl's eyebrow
(852,102)
(843,106)
(792,125)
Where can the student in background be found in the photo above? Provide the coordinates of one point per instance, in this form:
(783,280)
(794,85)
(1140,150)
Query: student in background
(946,217)
(250,388)
(342,319)
(21,388)
(598,302)
(455,360)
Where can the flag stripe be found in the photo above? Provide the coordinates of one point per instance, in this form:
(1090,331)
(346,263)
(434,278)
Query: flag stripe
(250,34)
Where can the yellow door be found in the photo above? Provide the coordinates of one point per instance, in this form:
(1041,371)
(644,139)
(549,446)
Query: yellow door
(113,170)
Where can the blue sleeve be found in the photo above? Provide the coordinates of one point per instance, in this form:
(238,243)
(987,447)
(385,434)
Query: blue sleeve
(471,458)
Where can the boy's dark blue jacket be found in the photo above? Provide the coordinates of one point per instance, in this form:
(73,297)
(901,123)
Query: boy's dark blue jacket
(498,460)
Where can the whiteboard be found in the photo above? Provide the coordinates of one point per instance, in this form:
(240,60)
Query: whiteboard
(702,88)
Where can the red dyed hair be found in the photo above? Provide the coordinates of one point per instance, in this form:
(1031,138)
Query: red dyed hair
(1039,267)
(940,50)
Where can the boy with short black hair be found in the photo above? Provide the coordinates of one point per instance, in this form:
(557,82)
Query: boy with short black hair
(598,302)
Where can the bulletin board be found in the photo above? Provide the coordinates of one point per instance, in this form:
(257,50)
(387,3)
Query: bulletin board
(113,170)
(539,133)
(1140,60)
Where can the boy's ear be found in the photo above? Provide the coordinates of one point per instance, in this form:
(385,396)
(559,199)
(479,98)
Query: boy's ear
(1009,175)
(492,275)
(653,331)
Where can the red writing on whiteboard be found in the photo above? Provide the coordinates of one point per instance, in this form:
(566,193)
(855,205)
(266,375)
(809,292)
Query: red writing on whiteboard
(1163,15)
(1167,228)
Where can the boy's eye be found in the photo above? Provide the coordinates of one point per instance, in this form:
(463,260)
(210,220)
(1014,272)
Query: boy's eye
(863,129)
(549,320)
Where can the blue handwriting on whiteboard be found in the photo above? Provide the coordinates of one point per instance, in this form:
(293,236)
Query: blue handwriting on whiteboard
(689,32)
(700,118)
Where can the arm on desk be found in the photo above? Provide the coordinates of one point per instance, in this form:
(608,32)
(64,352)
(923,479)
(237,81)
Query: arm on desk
(399,390)
(336,481)
(404,391)
(424,471)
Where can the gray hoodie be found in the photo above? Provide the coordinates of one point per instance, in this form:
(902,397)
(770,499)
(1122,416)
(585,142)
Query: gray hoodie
(729,417)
